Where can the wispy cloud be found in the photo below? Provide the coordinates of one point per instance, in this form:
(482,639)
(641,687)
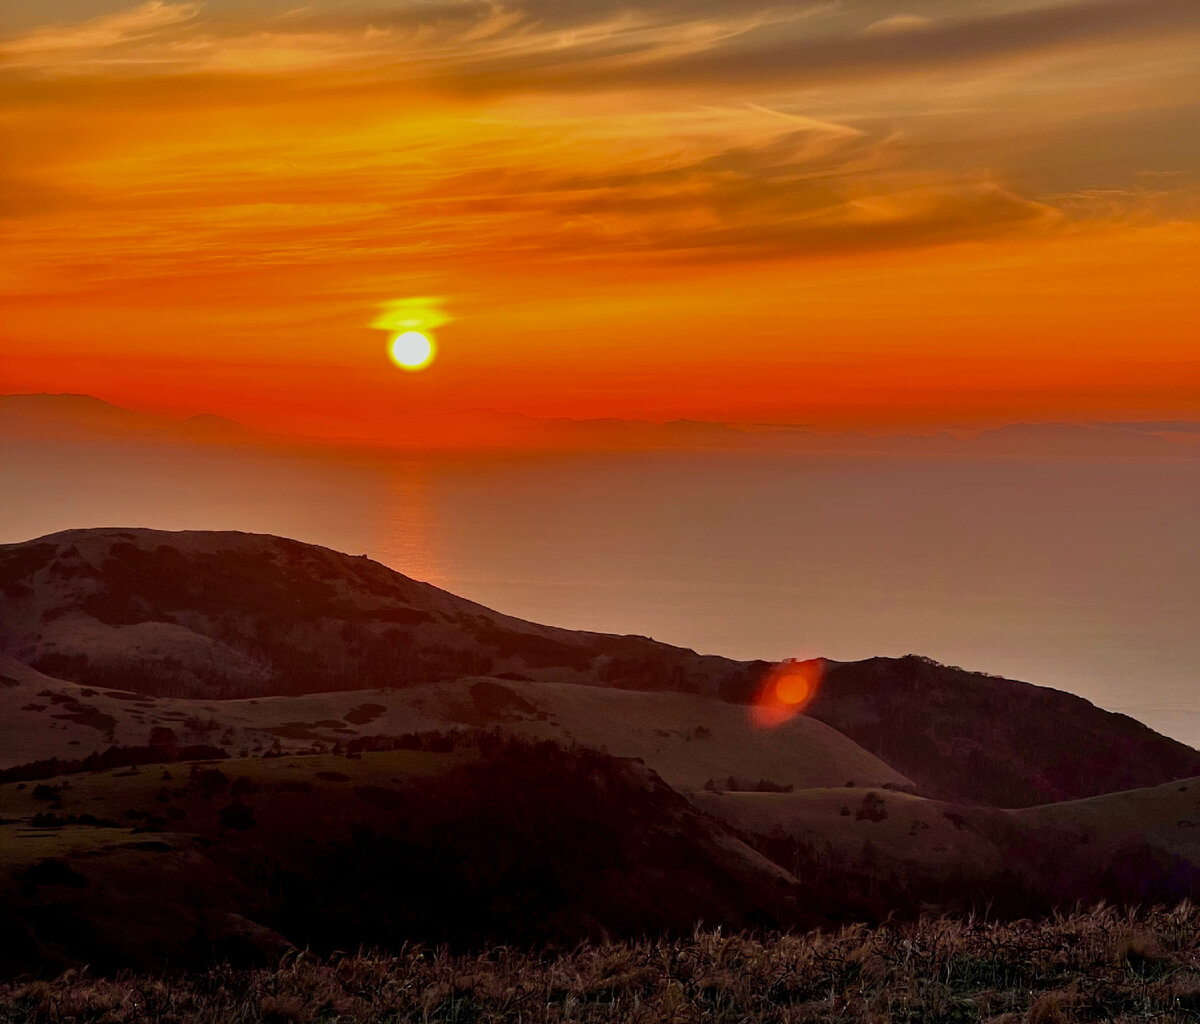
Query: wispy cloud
(782,60)
(897,23)
(457,135)
(438,39)
(487,44)
(60,44)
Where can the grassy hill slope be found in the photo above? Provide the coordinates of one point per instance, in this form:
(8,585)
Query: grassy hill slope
(214,616)
(967,736)
(471,841)
(899,853)
(219,614)
(688,739)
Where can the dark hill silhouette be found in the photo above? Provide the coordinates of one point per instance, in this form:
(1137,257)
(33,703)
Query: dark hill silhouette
(465,840)
(208,614)
(224,615)
(996,741)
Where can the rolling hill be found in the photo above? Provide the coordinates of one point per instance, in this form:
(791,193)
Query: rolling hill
(217,746)
(473,838)
(226,615)
(212,617)
(1006,743)
(468,841)
(688,739)
(898,853)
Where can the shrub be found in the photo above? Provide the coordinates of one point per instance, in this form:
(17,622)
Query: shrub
(872,808)
(238,815)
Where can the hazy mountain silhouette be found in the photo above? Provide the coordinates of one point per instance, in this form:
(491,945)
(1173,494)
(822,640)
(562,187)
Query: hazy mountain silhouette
(65,416)
(1126,439)
(81,417)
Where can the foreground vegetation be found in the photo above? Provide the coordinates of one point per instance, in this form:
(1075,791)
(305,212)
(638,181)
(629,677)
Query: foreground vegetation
(1101,965)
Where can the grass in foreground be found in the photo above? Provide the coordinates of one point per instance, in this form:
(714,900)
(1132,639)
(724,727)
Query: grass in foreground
(1102,965)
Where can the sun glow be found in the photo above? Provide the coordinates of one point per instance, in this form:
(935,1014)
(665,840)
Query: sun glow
(411,350)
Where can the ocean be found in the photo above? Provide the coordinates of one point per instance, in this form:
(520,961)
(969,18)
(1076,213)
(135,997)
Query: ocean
(1079,574)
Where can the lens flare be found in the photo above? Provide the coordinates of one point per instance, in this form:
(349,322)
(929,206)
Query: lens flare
(417,313)
(411,350)
(787,689)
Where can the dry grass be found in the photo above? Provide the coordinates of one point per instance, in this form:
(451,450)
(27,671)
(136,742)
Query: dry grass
(1102,965)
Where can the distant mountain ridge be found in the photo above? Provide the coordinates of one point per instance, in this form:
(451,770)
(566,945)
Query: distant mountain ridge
(213,615)
(83,417)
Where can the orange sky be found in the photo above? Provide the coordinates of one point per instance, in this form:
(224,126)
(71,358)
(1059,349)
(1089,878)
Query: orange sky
(847,214)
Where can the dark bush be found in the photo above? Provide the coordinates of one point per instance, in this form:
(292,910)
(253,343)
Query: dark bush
(237,815)
(55,872)
(872,808)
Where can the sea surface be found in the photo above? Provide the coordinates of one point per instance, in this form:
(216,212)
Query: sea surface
(1078,574)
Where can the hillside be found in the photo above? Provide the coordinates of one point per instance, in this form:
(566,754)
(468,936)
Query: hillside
(688,739)
(221,746)
(468,841)
(1148,839)
(474,839)
(238,615)
(901,854)
(967,736)
(213,616)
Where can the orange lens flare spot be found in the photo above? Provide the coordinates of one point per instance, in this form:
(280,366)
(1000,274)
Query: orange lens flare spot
(411,350)
(793,688)
(788,689)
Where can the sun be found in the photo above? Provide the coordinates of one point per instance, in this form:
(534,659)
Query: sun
(411,350)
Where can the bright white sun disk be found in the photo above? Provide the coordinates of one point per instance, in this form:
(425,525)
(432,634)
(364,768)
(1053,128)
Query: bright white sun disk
(411,350)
